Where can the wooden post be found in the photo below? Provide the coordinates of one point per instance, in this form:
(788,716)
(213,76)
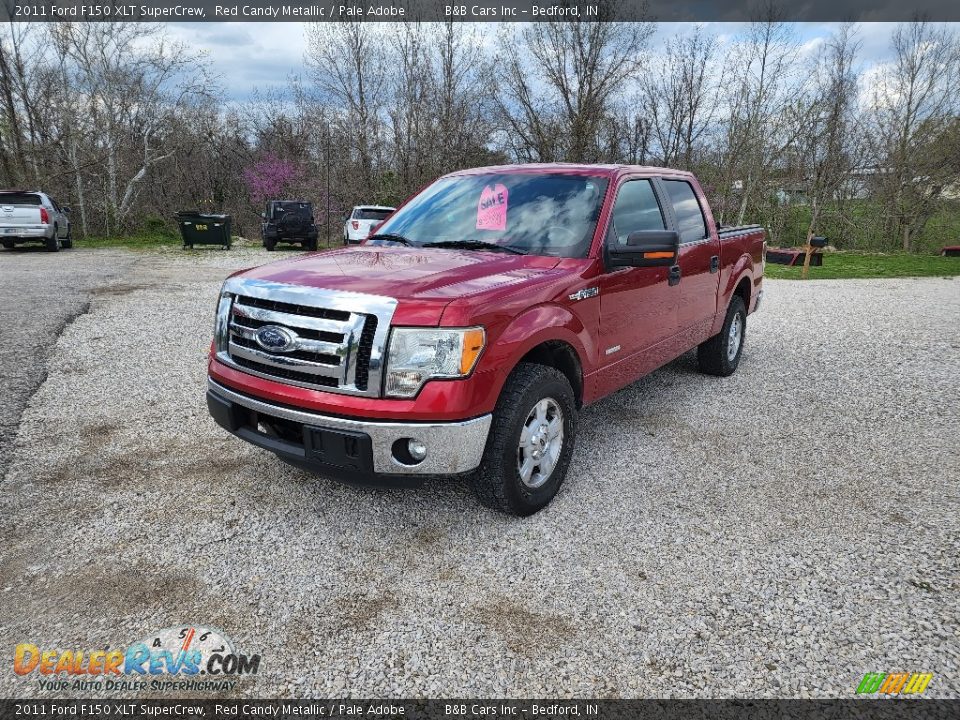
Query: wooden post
(806,257)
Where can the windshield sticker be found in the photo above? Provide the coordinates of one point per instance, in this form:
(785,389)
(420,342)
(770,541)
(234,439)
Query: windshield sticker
(492,208)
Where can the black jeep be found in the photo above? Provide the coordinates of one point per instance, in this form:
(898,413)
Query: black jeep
(289,221)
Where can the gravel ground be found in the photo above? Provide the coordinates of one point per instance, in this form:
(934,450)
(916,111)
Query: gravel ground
(49,291)
(773,534)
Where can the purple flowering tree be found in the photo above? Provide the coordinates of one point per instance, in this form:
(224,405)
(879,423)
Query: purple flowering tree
(270,177)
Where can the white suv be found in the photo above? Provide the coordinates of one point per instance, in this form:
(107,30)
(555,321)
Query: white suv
(33,217)
(363,218)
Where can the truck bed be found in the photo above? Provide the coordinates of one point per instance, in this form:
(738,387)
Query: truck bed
(741,246)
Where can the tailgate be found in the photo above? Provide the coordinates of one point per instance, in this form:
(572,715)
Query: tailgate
(19,215)
(362,227)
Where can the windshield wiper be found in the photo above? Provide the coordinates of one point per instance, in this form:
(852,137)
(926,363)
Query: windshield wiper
(392,237)
(473,245)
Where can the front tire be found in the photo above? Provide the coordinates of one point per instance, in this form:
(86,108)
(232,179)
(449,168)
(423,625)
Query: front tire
(8,244)
(720,355)
(270,245)
(531,441)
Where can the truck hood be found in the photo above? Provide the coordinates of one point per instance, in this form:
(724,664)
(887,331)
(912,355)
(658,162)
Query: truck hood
(424,280)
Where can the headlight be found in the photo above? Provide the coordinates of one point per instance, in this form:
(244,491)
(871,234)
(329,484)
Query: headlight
(221,330)
(420,354)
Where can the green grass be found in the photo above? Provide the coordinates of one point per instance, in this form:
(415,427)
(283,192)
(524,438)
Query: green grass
(139,241)
(864,232)
(841,265)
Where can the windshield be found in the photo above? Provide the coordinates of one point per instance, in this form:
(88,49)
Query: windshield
(537,214)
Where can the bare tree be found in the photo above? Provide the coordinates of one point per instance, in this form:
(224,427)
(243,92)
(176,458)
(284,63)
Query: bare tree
(763,81)
(461,96)
(559,80)
(681,97)
(824,143)
(130,81)
(20,58)
(348,66)
(412,118)
(914,105)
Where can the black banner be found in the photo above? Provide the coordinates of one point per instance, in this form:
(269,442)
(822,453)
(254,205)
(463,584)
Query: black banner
(456,709)
(472,10)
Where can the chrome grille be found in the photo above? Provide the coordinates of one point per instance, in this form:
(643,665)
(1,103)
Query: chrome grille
(328,340)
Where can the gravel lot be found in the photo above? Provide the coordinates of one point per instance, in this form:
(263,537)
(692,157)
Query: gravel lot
(47,291)
(777,533)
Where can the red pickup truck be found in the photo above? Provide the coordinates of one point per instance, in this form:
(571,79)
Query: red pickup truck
(463,336)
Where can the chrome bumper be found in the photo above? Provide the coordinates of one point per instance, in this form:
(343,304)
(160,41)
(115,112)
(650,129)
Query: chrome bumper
(452,447)
(40,231)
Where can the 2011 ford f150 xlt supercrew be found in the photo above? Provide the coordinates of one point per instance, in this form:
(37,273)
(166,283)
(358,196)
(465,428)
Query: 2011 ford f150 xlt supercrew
(463,336)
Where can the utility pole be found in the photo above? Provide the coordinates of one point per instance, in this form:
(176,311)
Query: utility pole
(327,239)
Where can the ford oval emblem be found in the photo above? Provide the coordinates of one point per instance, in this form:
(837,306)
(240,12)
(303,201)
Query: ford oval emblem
(276,339)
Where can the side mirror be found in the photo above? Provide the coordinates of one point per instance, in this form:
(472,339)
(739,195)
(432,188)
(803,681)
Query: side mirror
(646,248)
(263,216)
(66,210)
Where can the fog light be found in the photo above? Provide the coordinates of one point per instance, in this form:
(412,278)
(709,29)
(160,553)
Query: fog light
(417,450)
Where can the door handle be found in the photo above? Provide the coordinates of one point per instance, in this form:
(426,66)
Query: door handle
(714,263)
(674,277)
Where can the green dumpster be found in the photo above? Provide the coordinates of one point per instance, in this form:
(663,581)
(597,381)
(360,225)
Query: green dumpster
(203,229)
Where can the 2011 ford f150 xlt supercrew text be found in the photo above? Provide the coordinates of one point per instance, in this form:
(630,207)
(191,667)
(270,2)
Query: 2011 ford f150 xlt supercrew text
(463,336)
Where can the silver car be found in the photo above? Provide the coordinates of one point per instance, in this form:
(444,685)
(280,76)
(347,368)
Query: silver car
(30,216)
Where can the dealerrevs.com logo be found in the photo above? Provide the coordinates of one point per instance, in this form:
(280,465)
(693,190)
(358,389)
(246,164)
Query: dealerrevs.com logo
(894,683)
(179,658)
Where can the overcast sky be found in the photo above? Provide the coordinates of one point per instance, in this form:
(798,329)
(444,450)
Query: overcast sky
(249,55)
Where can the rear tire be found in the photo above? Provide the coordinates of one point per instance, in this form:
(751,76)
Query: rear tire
(720,355)
(509,477)
(270,245)
(310,244)
(53,243)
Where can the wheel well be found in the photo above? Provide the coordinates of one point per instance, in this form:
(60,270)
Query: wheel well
(743,290)
(562,356)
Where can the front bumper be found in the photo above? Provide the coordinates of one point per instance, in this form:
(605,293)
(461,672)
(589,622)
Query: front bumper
(354,450)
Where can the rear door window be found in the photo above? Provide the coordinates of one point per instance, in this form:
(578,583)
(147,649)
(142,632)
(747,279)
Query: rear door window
(636,209)
(690,221)
(371,214)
